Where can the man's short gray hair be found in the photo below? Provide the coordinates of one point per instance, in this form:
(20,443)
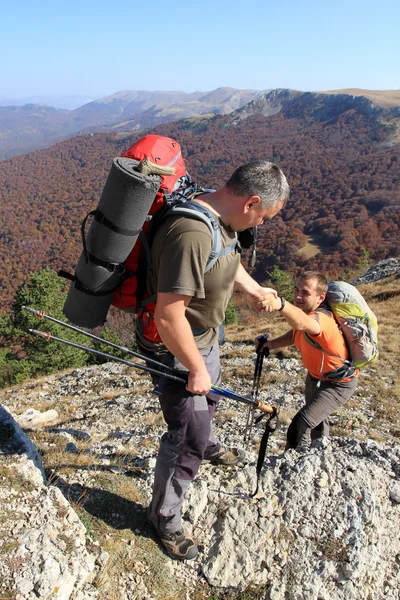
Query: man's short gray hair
(260,178)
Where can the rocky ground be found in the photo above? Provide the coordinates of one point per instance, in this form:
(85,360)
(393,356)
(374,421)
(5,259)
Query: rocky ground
(324,524)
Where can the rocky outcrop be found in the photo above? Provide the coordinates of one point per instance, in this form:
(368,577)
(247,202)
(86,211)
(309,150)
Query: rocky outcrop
(324,526)
(314,105)
(21,453)
(42,542)
(380,270)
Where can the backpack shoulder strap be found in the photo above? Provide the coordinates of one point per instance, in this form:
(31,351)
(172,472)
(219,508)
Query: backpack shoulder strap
(346,369)
(194,210)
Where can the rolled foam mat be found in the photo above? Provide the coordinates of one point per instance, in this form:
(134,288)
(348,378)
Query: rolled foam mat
(125,202)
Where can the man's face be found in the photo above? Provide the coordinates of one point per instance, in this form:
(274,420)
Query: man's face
(256,214)
(306,296)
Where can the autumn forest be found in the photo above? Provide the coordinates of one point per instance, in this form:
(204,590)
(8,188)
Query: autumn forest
(344,175)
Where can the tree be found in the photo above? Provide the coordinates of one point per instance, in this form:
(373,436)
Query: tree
(283,282)
(231,314)
(26,355)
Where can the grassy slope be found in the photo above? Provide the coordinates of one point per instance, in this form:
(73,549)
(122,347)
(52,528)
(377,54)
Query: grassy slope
(385,98)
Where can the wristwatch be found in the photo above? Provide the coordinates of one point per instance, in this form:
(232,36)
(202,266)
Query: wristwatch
(283,303)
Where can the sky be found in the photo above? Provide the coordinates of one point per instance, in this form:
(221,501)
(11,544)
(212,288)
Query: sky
(96,48)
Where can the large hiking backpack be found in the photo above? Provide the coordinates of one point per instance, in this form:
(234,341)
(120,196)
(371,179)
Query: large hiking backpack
(146,184)
(357,322)
(175,197)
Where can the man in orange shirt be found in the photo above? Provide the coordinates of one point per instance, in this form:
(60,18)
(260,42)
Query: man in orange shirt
(331,378)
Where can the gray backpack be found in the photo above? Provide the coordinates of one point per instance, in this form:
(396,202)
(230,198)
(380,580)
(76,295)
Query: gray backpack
(356,320)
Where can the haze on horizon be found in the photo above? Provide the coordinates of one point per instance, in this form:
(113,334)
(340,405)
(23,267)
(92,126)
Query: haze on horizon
(92,50)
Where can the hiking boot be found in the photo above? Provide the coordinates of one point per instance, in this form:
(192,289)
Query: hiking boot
(178,545)
(226,456)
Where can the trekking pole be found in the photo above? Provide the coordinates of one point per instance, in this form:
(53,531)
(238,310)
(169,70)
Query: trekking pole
(49,336)
(42,315)
(273,422)
(175,375)
(256,385)
(254,395)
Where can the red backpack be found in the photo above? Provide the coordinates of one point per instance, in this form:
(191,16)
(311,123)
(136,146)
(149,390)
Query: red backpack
(174,190)
(163,152)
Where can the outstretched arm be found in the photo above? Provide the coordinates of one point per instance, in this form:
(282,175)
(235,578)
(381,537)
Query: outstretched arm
(245,283)
(286,339)
(295,317)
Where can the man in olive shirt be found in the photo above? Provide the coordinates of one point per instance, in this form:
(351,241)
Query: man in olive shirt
(191,305)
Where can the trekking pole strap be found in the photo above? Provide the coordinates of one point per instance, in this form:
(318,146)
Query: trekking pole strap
(272,424)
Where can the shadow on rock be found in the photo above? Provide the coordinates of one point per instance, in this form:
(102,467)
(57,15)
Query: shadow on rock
(116,511)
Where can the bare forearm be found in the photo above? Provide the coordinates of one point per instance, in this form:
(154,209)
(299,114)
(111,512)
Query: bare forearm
(245,283)
(299,320)
(280,342)
(294,316)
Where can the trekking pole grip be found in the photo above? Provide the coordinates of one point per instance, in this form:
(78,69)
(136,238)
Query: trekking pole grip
(267,408)
(261,341)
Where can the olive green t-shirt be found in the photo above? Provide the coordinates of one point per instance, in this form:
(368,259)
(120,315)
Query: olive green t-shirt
(180,251)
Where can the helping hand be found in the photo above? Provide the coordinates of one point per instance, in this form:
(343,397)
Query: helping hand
(264,299)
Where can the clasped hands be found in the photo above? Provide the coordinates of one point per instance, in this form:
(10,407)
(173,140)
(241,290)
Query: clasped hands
(266,300)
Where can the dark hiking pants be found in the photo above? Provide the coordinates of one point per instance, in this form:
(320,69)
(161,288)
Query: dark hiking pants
(183,446)
(321,401)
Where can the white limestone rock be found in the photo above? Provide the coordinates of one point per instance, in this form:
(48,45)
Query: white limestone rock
(33,418)
(332,541)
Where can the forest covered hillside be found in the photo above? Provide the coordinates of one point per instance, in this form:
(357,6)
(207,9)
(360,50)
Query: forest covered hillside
(343,169)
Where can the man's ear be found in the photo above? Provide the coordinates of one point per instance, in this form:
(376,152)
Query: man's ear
(252,201)
(322,298)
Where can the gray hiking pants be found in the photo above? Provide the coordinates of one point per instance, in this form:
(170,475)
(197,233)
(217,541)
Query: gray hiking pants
(182,448)
(321,401)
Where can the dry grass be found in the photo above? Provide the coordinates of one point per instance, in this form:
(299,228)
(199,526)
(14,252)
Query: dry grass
(384,299)
(226,415)
(255,324)
(154,419)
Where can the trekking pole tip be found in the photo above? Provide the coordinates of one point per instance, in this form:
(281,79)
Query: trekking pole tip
(44,334)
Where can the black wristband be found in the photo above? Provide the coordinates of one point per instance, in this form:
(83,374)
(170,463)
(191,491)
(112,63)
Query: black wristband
(283,303)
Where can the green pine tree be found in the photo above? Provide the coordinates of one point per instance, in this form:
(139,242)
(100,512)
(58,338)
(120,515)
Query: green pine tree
(26,355)
(231,314)
(283,282)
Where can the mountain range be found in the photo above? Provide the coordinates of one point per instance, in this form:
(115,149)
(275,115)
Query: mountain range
(33,126)
(66,101)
